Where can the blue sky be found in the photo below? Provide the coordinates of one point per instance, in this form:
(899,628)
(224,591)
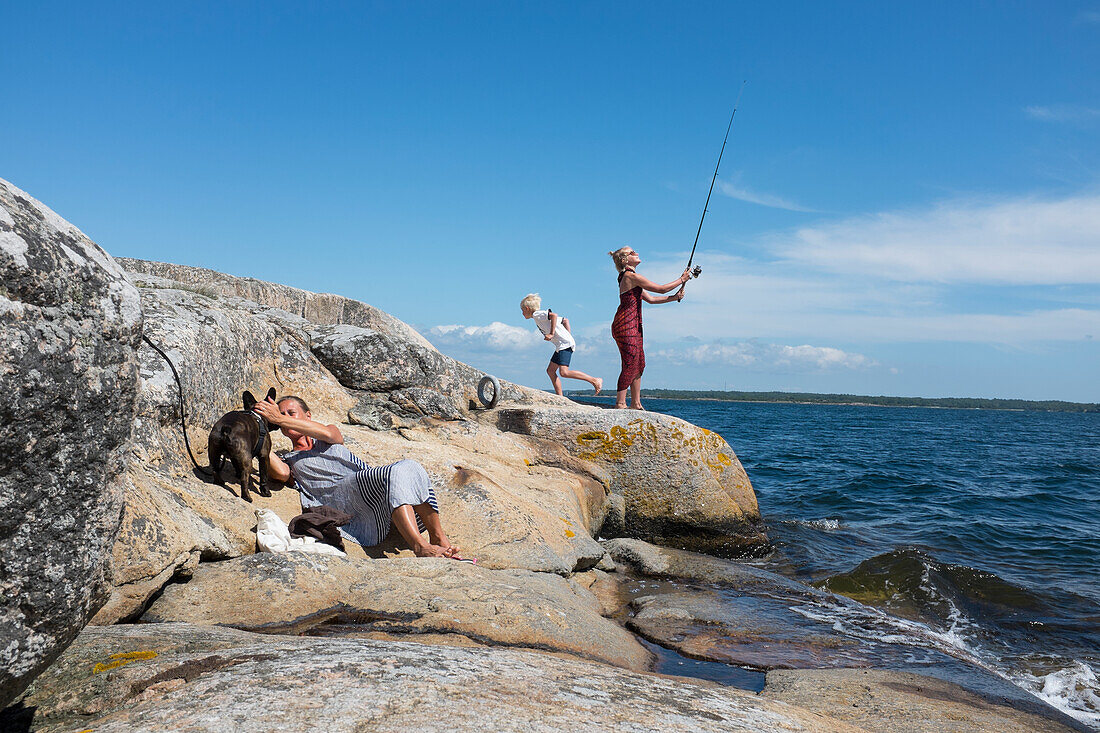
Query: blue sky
(908,205)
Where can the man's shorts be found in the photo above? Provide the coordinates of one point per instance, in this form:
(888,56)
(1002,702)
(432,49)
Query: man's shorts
(562,357)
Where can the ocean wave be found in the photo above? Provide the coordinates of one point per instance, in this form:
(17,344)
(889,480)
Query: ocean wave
(914,585)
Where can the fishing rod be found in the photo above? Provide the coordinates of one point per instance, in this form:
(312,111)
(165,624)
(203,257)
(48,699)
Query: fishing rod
(698,270)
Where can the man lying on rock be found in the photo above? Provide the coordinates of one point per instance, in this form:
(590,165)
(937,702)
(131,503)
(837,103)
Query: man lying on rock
(327,473)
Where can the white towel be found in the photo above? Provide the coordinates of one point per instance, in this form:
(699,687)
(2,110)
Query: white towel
(273,536)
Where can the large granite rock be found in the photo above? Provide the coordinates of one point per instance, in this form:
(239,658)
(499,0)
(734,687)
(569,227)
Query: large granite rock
(69,325)
(174,517)
(299,592)
(374,362)
(318,308)
(183,677)
(680,485)
(513,499)
(504,500)
(512,502)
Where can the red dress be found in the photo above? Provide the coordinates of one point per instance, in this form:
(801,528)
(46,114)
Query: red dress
(626,329)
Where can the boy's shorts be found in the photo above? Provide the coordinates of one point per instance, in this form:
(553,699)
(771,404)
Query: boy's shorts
(562,357)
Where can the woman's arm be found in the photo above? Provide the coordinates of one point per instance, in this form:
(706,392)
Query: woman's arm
(678,295)
(318,431)
(277,468)
(312,428)
(647,284)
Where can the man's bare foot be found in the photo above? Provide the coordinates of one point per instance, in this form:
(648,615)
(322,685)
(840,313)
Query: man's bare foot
(637,407)
(598,385)
(620,407)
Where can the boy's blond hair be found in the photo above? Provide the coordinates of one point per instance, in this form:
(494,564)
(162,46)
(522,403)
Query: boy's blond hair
(530,302)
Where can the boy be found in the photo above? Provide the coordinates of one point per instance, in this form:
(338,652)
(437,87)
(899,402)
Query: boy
(554,328)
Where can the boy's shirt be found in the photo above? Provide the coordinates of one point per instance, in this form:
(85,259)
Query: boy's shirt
(562,338)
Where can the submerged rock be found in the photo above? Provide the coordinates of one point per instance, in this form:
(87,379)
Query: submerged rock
(901,702)
(69,324)
(184,677)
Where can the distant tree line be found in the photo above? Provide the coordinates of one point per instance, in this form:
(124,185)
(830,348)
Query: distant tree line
(973,403)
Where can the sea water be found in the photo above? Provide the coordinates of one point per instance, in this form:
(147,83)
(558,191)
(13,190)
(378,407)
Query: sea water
(976,531)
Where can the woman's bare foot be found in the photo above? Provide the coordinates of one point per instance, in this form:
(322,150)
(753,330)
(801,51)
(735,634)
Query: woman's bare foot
(636,407)
(441,540)
(430,550)
(598,384)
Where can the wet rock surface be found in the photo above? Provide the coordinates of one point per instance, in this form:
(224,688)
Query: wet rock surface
(69,326)
(729,612)
(184,677)
(302,593)
(901,702)
(721,611)
(742,630)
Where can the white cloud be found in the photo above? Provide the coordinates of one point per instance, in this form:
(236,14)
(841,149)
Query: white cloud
(769,357)
(1019,241)
(1063,113)
(735,190)
(496,336)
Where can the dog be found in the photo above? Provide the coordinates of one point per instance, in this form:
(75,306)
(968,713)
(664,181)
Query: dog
(242,435)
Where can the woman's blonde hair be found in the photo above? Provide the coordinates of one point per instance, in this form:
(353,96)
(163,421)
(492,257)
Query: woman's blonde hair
(619,256)
(294,398)
(530,302)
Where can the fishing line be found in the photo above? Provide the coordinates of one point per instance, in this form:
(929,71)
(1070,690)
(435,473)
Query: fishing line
(698,270)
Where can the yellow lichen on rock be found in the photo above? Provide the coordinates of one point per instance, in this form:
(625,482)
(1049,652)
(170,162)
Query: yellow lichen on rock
(118,660)
(609,446)
(705,447)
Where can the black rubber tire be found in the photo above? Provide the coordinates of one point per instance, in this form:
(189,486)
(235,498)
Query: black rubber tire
(482,387)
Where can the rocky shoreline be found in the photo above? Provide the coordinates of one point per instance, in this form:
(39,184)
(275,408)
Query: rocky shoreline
(570,510)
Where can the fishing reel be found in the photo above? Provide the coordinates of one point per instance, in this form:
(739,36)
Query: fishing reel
(696,271)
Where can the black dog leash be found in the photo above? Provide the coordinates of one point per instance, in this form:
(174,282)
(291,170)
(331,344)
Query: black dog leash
(183,425)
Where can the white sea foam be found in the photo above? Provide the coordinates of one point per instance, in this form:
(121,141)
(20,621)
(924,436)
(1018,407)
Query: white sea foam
(829,525)
(1075,690)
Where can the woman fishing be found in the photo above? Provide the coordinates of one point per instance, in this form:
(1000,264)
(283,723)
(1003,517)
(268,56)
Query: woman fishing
(627,326)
